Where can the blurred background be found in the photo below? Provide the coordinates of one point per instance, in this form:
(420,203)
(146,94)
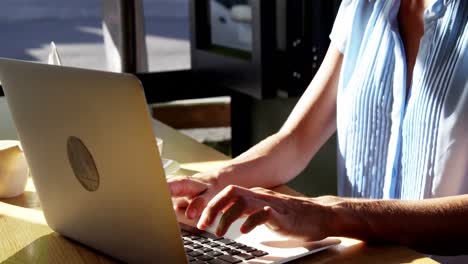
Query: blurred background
(76,26)
(28,26)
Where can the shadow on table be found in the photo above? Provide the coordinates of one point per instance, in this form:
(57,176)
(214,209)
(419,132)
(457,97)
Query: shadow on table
(28,199)
(362,253)
(55,248)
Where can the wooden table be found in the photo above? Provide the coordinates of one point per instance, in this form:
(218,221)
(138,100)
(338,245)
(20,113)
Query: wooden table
(26,238)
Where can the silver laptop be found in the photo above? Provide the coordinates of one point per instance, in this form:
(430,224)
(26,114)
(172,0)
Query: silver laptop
(88,140)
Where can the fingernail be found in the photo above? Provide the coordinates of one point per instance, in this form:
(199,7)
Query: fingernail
(220,234)
(273,227)
(200,225)
(244,229)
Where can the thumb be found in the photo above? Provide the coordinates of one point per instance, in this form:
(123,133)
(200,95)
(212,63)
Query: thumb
(185,187)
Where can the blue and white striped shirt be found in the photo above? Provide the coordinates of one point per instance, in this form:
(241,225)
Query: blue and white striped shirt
(392,144)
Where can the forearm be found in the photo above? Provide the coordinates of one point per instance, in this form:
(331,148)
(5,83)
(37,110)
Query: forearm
(280,157)
(434,226)
(267,164)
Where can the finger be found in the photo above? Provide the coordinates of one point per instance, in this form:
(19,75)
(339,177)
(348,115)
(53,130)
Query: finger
(262,190)
(231,215)
(185,186)
(255,219)
(195,207)
(180,203)
(266,216)
(222,200)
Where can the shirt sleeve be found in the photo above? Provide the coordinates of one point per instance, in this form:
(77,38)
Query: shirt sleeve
(342,26)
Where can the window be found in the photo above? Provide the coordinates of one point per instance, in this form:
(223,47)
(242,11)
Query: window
(167,28)
(27,28)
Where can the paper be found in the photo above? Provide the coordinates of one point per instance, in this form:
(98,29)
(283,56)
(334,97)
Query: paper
(54,58)
(170,166)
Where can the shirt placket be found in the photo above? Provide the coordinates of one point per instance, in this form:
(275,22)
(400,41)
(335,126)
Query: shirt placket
(401,99)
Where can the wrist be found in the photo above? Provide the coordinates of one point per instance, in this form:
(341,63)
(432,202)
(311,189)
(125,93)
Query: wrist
(333,219)
(350,221)
(339,217)
(224,176)
(217,178)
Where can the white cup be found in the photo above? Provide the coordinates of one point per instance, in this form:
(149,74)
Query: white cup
(13,169)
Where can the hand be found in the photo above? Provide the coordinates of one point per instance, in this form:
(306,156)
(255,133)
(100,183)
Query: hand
(300,218)
(193,193)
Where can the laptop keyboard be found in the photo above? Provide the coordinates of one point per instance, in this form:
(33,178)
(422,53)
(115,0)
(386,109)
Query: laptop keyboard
(202,247)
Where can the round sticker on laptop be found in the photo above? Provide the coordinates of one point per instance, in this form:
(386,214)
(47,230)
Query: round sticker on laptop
(83,164)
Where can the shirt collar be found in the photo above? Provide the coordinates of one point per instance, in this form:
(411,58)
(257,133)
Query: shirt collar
(435,11)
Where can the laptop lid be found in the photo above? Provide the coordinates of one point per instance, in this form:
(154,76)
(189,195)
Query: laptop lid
(88,140)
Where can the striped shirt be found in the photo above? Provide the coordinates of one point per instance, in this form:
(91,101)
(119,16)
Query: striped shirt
(392,144)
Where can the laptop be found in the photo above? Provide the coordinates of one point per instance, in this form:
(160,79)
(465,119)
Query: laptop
(169,165)
(88,140)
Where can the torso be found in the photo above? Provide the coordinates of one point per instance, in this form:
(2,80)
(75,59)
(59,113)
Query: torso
(411,22)
(392,145)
